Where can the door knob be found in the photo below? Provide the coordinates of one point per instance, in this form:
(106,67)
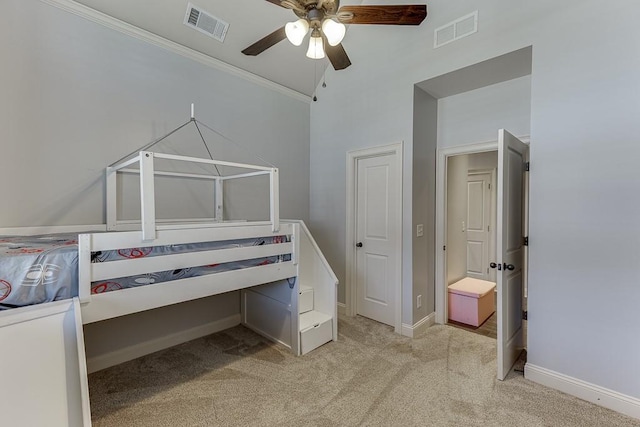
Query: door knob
(359,245)
(509,266)
(493,265)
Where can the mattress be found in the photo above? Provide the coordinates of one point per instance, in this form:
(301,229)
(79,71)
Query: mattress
(37,269)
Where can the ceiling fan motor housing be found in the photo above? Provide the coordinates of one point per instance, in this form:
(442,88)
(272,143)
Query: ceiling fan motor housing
(315,17)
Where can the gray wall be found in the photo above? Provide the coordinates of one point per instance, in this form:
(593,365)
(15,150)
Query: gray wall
(585,106)
(424,171)
(483,161)
(457,169)
(483,111)
(584,232)
(77,96)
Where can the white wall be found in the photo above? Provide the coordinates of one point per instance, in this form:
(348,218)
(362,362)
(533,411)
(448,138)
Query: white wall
(585,106)
(77,96)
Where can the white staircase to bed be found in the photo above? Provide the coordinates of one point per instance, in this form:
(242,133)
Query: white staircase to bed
(300,315)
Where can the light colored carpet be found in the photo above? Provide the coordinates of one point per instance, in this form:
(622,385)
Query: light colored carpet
(370,377)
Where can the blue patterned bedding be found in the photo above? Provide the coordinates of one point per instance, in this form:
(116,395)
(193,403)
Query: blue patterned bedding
(37,269)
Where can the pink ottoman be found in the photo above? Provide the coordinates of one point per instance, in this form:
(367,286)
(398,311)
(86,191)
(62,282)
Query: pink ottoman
(471,301)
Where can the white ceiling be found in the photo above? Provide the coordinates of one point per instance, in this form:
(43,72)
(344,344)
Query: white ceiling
(249,20)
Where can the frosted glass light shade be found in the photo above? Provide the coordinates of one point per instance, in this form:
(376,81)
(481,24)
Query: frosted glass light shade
(334,31)
(316,48)
(296,31)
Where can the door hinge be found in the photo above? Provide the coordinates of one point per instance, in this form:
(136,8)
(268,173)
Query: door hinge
(489,186)
(525,314)
(488,228)
(526,167)
(526,241)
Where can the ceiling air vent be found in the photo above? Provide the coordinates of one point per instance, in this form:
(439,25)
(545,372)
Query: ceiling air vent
(205,23)
(456,30)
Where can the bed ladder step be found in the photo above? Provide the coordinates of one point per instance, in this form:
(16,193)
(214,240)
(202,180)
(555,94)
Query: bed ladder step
(305,300)
(316,328)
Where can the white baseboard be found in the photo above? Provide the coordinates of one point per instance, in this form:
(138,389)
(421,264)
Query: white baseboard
(414,331)
(342,309)
(138,350)
(590,392)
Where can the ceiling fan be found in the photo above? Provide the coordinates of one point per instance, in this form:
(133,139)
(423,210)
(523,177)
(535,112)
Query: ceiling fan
(326,19)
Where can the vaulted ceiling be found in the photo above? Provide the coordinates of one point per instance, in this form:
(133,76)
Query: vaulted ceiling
(249,20)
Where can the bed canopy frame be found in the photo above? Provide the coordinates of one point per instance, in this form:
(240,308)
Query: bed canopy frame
(148,170)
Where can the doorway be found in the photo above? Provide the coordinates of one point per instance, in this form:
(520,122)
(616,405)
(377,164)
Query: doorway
(374,239)
(510,256)
(471,234)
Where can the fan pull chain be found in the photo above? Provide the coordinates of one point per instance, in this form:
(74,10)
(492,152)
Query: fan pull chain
(315,80)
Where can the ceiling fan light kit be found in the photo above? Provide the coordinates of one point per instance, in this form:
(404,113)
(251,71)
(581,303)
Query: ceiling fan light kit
(296,31)
(316,45)
(334,31)
(326,20)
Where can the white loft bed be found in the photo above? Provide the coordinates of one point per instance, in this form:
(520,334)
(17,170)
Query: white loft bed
(271,294)
(177,232)
(98,307)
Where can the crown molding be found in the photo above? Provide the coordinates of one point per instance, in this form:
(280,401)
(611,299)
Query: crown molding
(146,36)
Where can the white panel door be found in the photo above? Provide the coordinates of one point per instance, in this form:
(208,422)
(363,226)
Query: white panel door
(376,237)
(511,159)
(478,221)
(44,377)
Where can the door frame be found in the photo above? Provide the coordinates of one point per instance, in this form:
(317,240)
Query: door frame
(441,216)
(396,149)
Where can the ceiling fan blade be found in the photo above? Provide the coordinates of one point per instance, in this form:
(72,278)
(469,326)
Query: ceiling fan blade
(338,56)
(266,42)
(412,14)
(276,2)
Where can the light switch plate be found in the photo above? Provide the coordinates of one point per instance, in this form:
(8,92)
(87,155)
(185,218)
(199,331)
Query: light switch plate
(419,230)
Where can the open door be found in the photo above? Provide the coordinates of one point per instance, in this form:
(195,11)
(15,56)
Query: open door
(44,377)
(510,254)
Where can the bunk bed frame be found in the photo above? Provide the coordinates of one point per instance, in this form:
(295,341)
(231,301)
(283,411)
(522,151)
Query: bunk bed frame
(151,232)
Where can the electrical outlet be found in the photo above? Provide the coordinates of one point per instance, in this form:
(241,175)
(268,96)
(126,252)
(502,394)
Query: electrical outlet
(419,301)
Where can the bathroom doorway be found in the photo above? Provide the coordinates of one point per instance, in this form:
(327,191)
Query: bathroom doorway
(471,236)
(456,291)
